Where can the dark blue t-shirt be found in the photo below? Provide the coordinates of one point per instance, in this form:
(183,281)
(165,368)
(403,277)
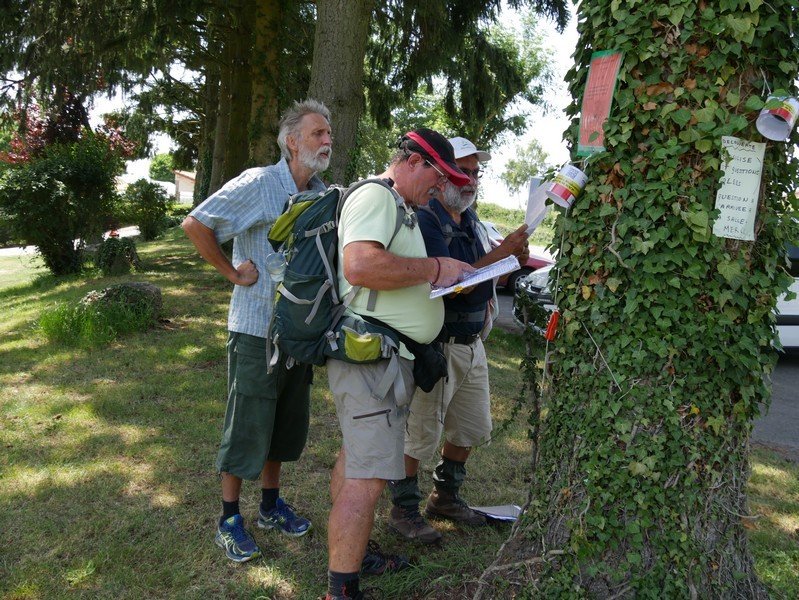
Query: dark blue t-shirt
(464,312)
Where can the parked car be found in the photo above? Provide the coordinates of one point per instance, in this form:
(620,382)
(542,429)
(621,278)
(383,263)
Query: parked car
(788,310)
(535,261)
(536,287)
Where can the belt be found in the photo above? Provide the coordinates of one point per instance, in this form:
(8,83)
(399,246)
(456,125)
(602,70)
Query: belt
(462,339)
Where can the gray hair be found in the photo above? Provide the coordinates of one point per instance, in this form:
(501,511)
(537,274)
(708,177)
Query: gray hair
(290,121)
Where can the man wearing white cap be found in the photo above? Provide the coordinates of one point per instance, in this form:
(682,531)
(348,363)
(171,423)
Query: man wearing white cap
(458,405)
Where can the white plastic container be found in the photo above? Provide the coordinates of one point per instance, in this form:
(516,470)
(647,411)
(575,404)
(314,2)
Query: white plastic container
(777,118)
(566,186)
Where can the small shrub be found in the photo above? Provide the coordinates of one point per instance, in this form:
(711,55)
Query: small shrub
(116,256)
(161,168)
(146,205)
(99,318)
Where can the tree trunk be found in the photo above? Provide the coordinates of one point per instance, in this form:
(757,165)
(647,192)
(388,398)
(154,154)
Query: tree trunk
(222,119)
(240,91)
(342,30)
(205,151)
(266,65)
(666,333)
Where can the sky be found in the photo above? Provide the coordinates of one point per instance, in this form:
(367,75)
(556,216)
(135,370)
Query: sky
(547,128)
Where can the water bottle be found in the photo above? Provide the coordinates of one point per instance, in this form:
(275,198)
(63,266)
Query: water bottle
(276,266)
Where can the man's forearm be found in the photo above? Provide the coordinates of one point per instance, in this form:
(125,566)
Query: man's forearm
(204,240)
(372,266)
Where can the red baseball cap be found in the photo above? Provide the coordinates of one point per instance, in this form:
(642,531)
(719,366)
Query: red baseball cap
(435,147)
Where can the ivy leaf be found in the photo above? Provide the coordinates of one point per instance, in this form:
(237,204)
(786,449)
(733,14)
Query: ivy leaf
(613,284)
(754,103)
(704,145)
(676,15)
(729,270)
(586,291)
(681,117)
(716,424)
(786,67)
(642,246)
(637,468)
(607,210)
(733,98)
(724,297)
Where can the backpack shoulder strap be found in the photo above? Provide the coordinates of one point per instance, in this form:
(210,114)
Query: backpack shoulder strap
(446,228)
(400,203)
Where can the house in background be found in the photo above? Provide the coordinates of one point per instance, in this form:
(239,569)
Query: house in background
(184,186)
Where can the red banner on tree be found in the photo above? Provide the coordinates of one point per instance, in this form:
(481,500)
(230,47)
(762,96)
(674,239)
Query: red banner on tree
(597,99)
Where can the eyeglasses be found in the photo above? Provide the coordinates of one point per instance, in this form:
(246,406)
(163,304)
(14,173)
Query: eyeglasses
(442,179)
(475,174)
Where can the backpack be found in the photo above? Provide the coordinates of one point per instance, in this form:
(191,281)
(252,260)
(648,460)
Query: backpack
(308,322)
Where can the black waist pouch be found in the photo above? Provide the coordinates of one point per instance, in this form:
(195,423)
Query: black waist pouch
(429,362)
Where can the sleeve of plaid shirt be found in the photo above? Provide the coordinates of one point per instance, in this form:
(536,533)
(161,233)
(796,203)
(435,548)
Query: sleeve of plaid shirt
(241,204)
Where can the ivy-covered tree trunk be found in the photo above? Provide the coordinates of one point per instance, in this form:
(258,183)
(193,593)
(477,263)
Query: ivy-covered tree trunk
(337,73)
(666,334)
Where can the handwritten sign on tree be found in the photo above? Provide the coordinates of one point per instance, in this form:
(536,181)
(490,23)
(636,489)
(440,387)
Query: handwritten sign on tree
(737,197)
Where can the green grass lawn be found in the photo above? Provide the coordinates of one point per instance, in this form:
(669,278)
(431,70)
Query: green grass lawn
(107,483)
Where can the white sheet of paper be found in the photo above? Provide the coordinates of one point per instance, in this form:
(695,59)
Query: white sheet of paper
(507,512)
(537,208)
(740,189)
(506,265)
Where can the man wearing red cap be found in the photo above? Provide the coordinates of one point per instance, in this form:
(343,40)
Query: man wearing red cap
(372,429)
(460,405)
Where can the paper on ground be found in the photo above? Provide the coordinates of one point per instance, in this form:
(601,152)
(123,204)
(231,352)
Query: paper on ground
(506,512)
(506,265)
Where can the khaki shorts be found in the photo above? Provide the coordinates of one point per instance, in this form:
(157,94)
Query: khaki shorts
(373,431)
(459,405)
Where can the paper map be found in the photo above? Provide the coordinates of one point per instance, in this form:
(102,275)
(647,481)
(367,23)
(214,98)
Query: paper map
(506,265)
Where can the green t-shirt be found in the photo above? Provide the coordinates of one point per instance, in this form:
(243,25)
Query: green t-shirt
(370,214)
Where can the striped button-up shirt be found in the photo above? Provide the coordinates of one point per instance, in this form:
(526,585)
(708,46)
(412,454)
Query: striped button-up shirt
(244,210)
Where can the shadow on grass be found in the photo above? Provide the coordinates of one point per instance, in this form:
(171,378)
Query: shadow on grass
(108,462)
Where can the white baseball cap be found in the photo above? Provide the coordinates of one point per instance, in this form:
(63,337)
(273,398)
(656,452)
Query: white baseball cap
(464,147)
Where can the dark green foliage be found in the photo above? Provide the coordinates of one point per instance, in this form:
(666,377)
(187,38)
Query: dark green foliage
(65,193)
(146,204)
(667,331)
(116,256)
(100,317)
(161,168)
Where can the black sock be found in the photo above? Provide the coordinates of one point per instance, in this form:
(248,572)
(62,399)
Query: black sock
(229,509)
(343,584)
(269,498)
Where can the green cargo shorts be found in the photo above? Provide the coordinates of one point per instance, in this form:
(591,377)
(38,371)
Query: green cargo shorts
(267,413)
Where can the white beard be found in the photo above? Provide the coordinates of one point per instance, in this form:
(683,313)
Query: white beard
(314,160)
(454,200)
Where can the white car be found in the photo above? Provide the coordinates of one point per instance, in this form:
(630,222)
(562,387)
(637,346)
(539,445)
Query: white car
(788,310)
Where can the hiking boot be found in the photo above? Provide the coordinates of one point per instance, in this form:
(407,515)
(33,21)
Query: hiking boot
(237,542)
(444,505)
(375,562)
(411,525)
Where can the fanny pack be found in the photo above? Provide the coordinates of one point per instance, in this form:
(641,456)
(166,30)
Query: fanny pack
(429,362)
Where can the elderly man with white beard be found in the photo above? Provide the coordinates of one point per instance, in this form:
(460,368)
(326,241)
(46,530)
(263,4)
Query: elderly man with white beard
(267,415)
(458,405)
